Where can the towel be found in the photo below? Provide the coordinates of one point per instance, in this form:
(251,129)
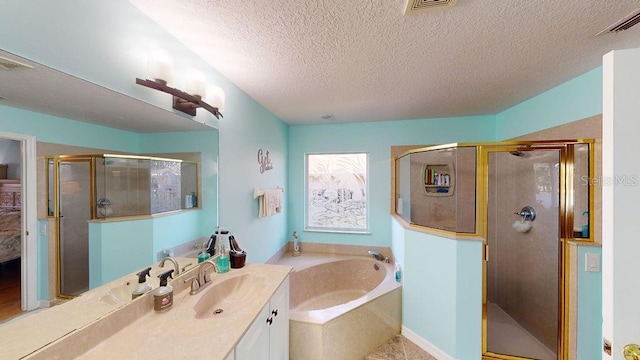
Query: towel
(270,202)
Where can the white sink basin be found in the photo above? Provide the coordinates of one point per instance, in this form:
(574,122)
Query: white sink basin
(118,295)
(227,296)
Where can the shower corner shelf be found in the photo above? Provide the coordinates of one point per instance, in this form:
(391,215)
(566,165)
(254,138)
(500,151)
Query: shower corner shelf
(439,179)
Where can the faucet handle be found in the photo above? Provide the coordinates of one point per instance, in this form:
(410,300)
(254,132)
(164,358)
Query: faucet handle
(195,285)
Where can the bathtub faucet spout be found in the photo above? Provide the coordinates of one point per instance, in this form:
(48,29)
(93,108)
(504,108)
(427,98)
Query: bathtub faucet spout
(376,255)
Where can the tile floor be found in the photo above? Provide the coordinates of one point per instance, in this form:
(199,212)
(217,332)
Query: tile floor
(399,348)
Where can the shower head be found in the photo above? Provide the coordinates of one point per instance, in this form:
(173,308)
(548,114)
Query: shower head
(517,153)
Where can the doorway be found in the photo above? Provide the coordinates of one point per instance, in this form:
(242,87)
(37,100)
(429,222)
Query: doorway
(17,215)
(524,264)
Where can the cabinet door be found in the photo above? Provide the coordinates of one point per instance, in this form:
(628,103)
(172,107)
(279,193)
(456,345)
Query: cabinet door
(279,332)
(255,343)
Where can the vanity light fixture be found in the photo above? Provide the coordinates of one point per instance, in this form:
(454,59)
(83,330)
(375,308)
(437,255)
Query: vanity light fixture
(182,101)
(160,68)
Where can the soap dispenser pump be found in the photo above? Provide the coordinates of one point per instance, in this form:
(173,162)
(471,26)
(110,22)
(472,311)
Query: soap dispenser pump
(142,287)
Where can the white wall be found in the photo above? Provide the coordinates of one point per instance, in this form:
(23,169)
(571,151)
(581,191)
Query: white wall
(620,198)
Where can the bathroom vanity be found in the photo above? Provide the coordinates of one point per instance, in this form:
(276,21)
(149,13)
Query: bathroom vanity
(241,314)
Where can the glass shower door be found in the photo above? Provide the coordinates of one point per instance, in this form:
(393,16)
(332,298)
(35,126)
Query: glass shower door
(74,211)
(524,251)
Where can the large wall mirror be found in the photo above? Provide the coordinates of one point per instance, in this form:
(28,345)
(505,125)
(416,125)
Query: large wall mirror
(33,98)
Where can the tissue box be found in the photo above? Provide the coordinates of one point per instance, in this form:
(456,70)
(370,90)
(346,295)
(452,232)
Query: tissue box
(237,259)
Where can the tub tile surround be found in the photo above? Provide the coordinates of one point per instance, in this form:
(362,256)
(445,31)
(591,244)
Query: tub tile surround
(349,330)
(325,250)
(136,331)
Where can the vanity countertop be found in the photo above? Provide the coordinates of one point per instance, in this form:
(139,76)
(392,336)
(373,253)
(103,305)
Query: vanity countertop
(136,331)
(27,333)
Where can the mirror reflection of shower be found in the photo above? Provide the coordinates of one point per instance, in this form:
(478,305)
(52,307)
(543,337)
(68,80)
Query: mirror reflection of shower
(74,212)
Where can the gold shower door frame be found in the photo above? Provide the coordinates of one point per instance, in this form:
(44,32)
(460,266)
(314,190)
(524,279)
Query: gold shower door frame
(566,160)
(56,208)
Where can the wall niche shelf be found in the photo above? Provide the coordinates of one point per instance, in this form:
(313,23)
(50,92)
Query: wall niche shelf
(439,179)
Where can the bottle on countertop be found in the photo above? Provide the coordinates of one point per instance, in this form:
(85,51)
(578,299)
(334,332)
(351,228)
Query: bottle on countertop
(142,287)
(223,252)
(163,296)
(398,273)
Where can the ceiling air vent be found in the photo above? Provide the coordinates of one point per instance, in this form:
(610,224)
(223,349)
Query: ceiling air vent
(419,6)
(8,64)
(623,24)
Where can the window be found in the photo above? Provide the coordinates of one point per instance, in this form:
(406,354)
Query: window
(337,192)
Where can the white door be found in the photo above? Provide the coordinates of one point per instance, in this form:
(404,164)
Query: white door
(620,200)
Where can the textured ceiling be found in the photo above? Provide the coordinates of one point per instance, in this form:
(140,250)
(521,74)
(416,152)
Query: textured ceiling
(366,61)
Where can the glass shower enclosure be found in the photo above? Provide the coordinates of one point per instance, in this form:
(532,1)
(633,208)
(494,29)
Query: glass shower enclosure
(105,187)
(526,200)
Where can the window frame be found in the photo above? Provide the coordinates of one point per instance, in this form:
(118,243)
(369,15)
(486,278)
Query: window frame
(341,230)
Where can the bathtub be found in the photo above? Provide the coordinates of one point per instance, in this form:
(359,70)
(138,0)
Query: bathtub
(341,307)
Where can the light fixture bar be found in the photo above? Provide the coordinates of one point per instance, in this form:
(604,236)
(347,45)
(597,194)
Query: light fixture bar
(182,101)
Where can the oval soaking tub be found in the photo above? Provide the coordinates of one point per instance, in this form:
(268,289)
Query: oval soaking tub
(341,307)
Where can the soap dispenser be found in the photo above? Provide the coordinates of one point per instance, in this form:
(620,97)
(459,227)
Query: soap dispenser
(142,287)
(223,259)
(163,296)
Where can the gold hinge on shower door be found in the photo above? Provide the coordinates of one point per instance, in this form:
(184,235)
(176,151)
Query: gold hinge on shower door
(485,252)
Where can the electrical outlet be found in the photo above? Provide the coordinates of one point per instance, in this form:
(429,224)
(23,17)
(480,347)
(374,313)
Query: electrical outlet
(43,229)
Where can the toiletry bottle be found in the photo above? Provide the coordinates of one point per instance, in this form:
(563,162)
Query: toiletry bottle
(163,296)
(203,256)
(223,258)
(296,244)
(398,273)
(142,287)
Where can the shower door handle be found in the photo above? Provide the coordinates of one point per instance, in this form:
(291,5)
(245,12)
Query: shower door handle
(631,352)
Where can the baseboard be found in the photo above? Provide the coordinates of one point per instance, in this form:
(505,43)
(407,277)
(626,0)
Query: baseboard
(425,345)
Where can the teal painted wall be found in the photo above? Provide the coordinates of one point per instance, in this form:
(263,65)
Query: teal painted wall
(442,291)
(573,100)
(249,128)
(375,138)
(119,248)
(53,129)
(589,315)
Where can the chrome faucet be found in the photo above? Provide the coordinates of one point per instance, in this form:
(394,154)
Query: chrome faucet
(203,279)
(175,264)
(376,255)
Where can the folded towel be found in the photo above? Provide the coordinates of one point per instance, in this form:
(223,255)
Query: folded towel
(270,202)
